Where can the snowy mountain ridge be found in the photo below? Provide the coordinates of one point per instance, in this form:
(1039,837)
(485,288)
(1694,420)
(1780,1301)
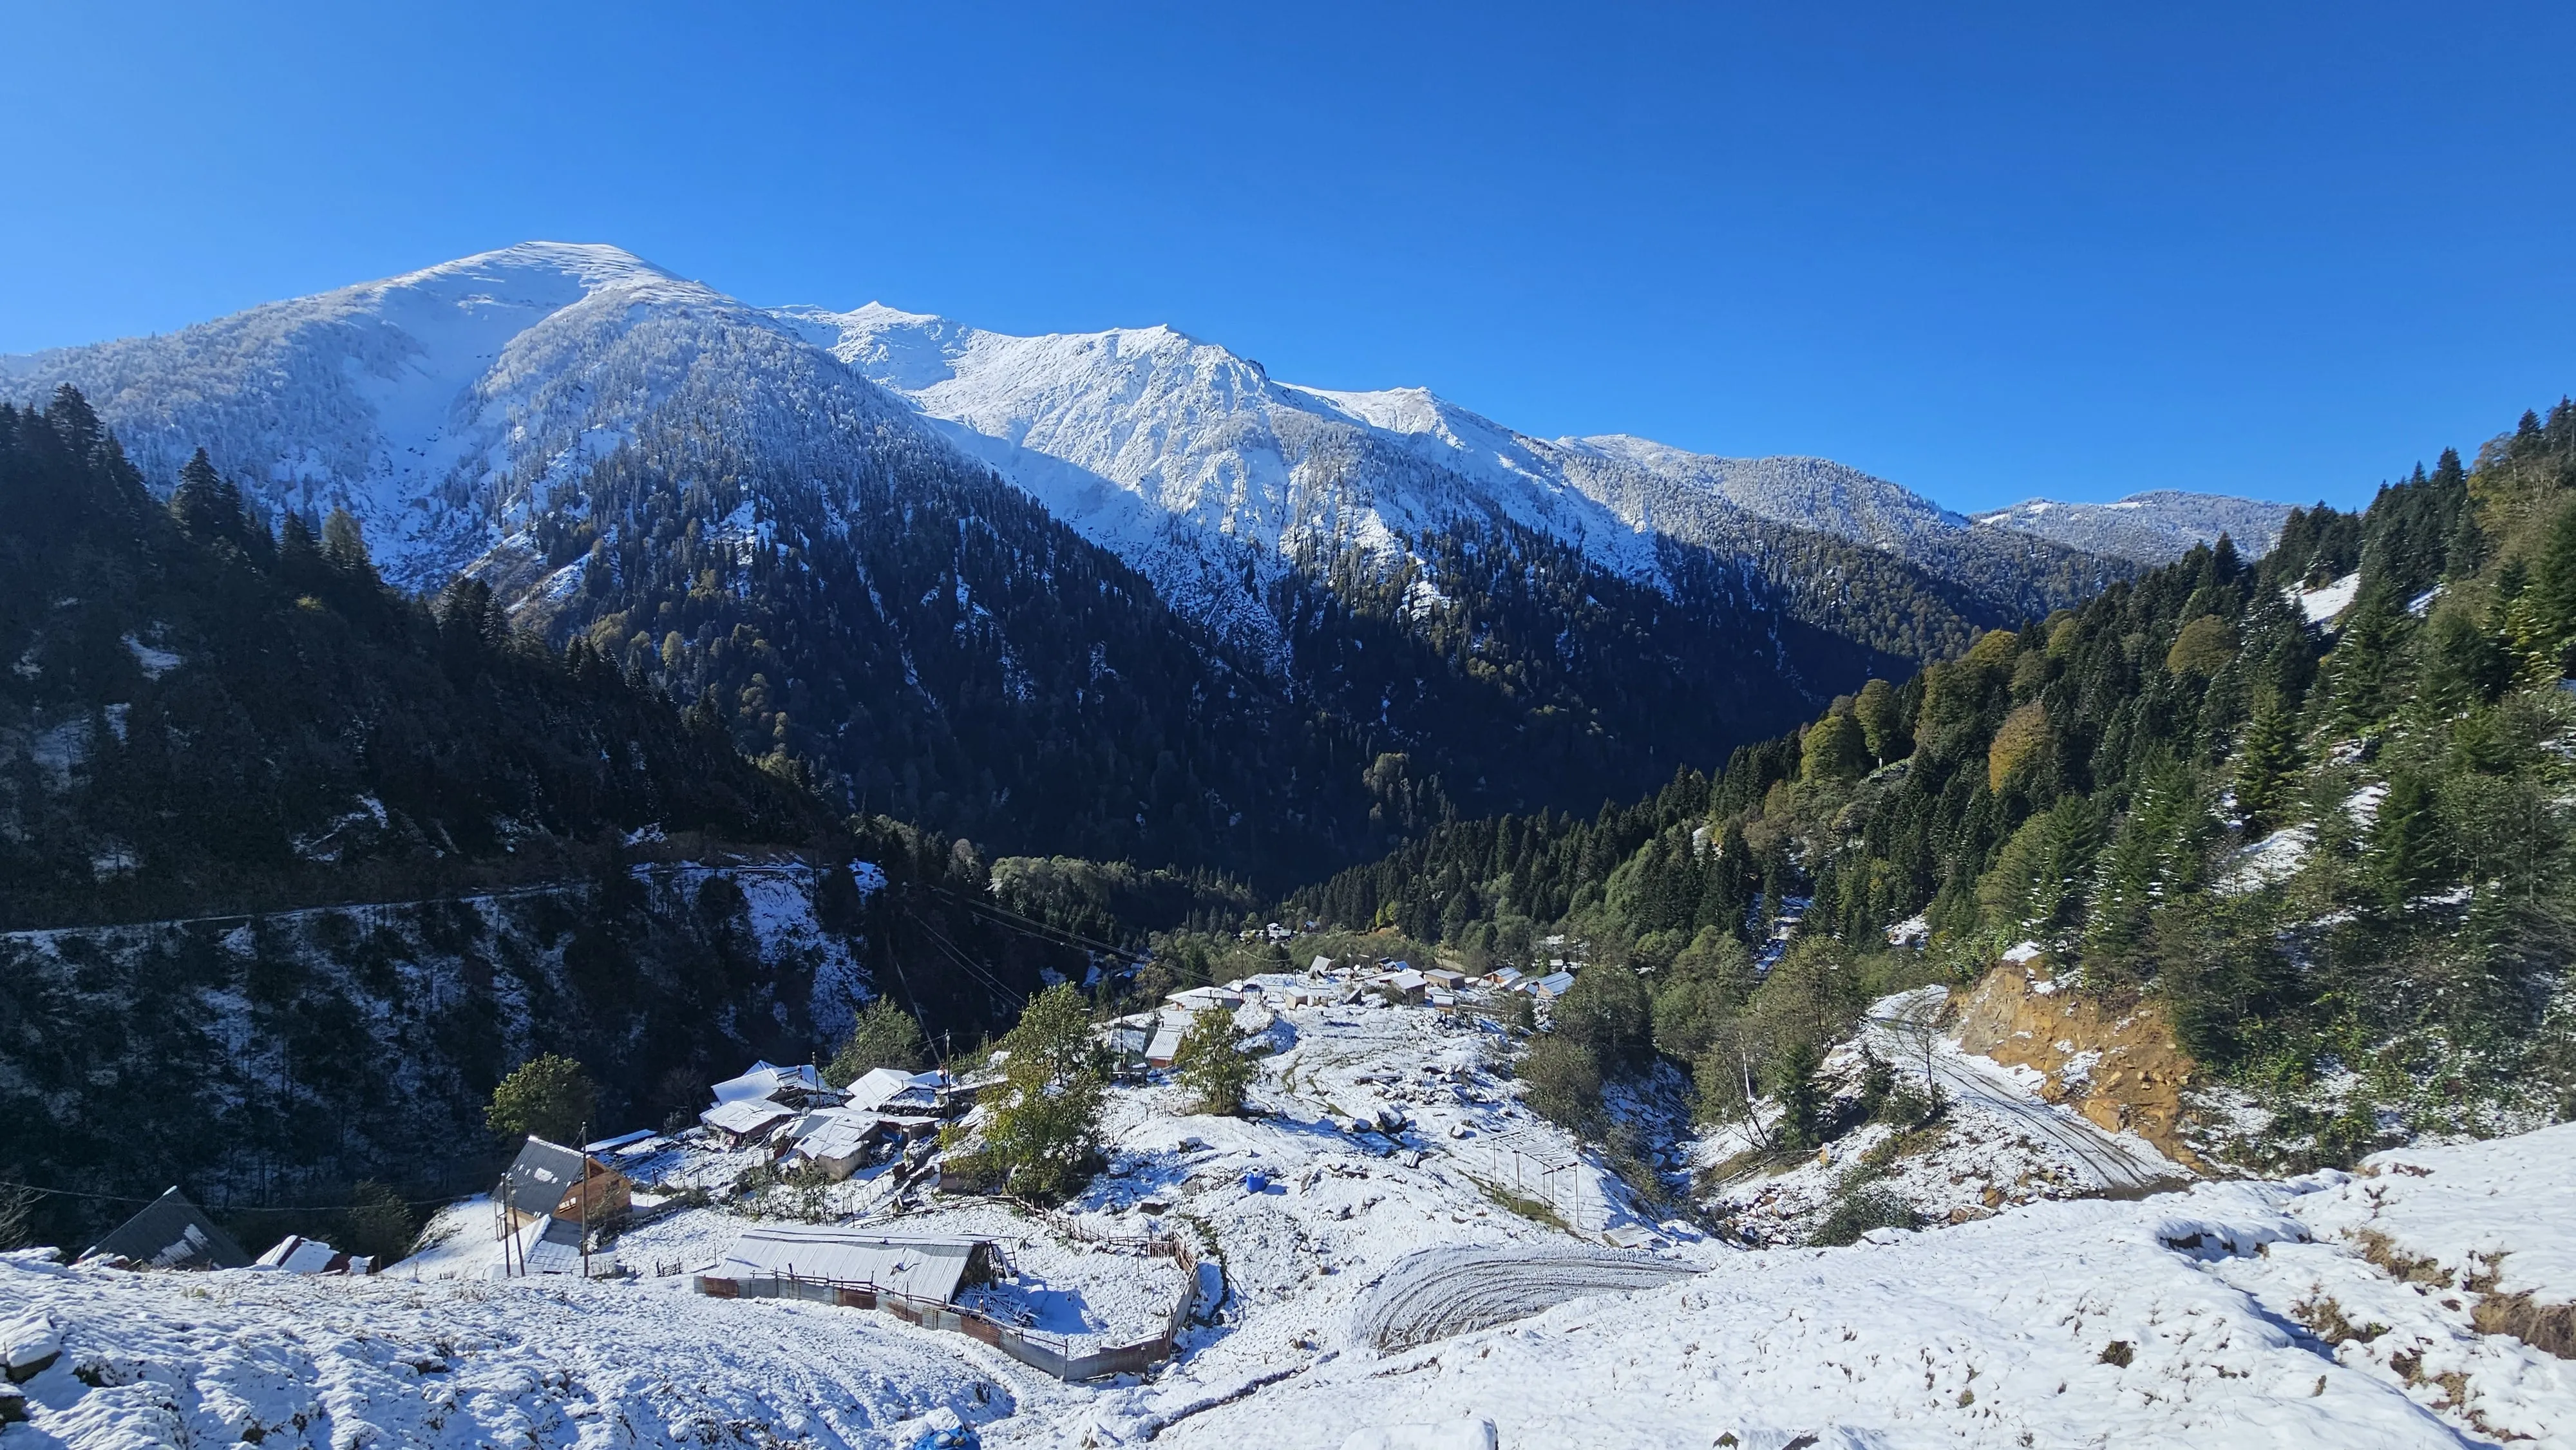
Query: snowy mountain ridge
(446,407)
(2160,523)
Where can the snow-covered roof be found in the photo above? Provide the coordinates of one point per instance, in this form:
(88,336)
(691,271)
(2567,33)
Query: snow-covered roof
(1554,984)
(917,1268)
(172,1233)
(544,1173)
(840,1133)
(1199,999)
(622,1140)
(297,1254)
(881,1087)
(767,1079)
(744,1117)
(1166,1044)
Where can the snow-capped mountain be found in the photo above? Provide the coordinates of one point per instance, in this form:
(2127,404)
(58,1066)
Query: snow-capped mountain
(2150,527)
(899,549)
(1129,431)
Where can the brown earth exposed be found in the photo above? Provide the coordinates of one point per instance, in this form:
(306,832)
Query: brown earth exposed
(2117,1064)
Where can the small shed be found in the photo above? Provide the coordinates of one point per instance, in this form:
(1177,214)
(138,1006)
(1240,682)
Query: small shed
(1166,1046)
(922,1269)
(297,1254)
(841,1140)
(1507,977)
(171,1233)
(1554,984)
(746,1122)
(549,1180)
(1404,986)
(1445,979)
(1320,966)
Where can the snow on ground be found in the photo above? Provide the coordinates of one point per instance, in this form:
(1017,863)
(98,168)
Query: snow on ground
(2326,601)
(2466,1204)
(1405,1197)
(2267,862)
(2092,1323)
(294,1360)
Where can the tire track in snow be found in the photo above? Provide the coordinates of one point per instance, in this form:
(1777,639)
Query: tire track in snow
(2120,1169)
(1435,1293)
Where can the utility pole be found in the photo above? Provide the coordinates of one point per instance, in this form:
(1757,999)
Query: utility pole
(584,1141)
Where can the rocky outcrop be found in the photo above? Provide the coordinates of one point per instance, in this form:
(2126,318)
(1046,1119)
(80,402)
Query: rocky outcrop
(2116,1063)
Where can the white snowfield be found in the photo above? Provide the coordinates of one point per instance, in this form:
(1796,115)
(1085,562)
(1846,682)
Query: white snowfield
(2231,1314)
(2164,1322)
(291,1360)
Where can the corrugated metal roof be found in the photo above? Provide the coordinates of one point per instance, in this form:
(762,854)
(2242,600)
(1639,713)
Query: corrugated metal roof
(297,1254)
(917,1268)
(840,1134)
(542,1174)
(173,1233)
(744,1117)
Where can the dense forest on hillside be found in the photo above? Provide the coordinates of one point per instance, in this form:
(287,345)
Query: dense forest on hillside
(2315,807)
(369,851)
(932,645)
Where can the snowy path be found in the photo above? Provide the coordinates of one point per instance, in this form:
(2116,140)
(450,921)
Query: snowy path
(1905,1035)
(1437,1293)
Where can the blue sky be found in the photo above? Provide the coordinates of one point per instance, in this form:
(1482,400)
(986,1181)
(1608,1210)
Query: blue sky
(1991,252)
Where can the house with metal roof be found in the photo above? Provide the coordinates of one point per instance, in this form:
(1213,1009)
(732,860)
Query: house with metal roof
(747,1122)
(793,1087)
(549,1180)
(170,1233)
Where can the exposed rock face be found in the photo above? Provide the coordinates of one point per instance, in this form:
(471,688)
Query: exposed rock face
(2117,1064)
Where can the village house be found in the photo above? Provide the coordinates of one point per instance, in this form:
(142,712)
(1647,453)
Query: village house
(746,1122)
(549,1180)
(170,1233)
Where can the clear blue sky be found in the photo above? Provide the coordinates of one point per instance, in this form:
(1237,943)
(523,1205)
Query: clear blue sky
(1990,253)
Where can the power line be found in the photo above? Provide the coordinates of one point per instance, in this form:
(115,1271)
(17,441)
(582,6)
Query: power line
(255,1207)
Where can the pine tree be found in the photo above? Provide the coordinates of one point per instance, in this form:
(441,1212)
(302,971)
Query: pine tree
(2406,844)
(206,504)
(2264,768)
(344,548)
(1881,722)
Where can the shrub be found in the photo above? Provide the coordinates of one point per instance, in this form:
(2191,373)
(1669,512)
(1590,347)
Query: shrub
(1042,1140)
(1859,1212)
(1212,1064)
(885,1035)
(378,1222)
(1564,1084)
(548,1097)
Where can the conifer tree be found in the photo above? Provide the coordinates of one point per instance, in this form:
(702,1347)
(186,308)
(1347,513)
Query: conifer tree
(2264,767)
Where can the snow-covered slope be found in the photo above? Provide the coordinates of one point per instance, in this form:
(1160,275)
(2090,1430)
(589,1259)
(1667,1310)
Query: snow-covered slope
(2383,1309)
(1133,432)
(408,401)
(1199,470)
(2148,527)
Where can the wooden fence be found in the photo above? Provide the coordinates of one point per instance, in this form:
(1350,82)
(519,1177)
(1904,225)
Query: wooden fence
(1049,1353)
